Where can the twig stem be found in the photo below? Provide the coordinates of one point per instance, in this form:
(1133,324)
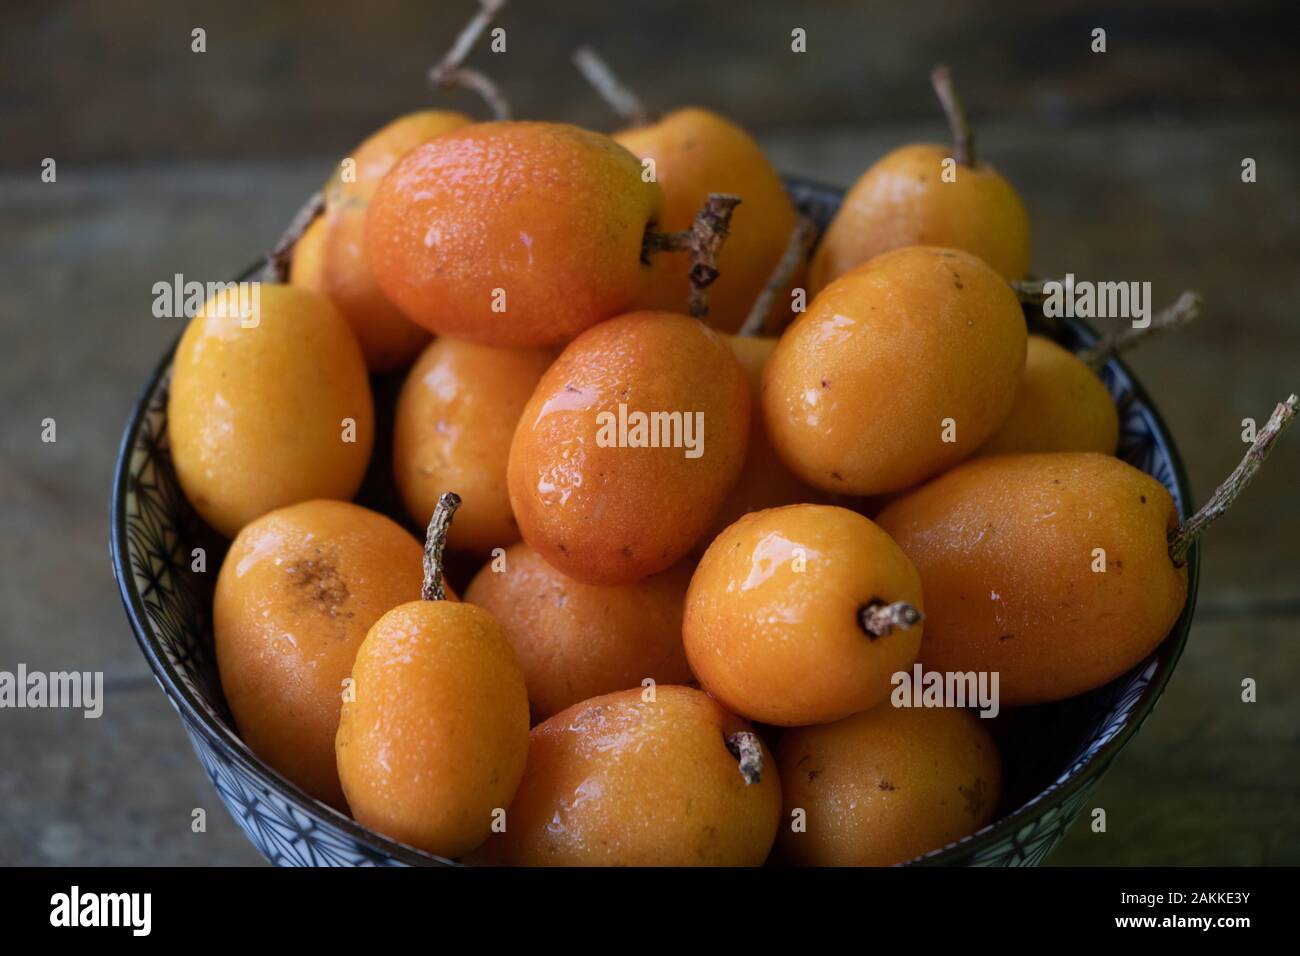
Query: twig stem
(281,254)
(704,239)
(435,541)
(620,97)
(880,620)
(796,249)
(450,73)
(1182,537)
(748,751)
(963,137)
(1185,308)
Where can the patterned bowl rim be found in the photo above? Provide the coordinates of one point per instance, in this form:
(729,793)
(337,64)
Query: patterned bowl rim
(1081,774)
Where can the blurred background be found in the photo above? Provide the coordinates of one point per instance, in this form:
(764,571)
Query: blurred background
(173,161)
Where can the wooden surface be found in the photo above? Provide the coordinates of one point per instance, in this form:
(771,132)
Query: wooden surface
(1116,191)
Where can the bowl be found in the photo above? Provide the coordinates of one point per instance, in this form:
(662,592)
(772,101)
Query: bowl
(1053,754)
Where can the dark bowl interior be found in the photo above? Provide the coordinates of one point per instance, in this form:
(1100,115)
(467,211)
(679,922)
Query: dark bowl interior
(1052,753)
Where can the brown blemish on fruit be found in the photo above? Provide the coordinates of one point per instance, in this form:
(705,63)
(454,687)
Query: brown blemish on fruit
(885,785)
(321,582)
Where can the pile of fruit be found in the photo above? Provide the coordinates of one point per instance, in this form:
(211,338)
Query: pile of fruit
(695,545)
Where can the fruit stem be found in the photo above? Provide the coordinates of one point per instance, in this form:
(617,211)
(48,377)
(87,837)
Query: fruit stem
(748,750)
(450,74)
(1185,309)
(709,230)
(796,249)
(963,137)
(281,254)
(620,97)
(435,540)
(1182,537)
(879,620)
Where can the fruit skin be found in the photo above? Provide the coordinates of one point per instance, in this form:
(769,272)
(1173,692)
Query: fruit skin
(255,415)
(296,594)
(886,786)
(576,641)
(618,781)
(613,515)
(902,201)
(375,157)
(437,736)
(773,632)
(764,481)
(552,215)
(456,417)
(1005,546)
(856,394)
(330,256)
(329,259)
(697,152)
(1062,406)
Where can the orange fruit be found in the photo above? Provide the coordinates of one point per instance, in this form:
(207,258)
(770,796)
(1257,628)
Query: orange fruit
(885,786)
(781,620)
(576,641)
(624,781)
(296,594)
(512,234)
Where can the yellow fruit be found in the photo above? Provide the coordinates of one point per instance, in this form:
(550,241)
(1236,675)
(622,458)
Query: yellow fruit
(775,627)
(898,371)
(697,152)
(1062,406)
(435,741)
(885,786)
(269,415)
(902,201)
(622,781)
(455,420)
(1051,569)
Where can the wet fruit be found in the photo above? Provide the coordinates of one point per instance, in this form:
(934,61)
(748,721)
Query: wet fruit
(802,615)
(456,416)
(629,446)
(576,641)
(433,744)
(898,370)
(885,786)
(268,409)
(514,234)
(297,592)
(625,781)
(1051,569)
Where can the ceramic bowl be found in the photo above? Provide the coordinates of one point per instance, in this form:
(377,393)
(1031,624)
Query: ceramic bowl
(1053,754)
